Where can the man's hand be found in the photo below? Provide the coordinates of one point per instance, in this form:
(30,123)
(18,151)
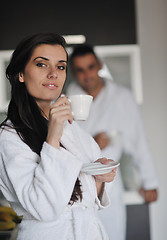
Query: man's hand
(102,140)
(149,195)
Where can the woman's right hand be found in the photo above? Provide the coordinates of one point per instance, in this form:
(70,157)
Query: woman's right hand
(60,111)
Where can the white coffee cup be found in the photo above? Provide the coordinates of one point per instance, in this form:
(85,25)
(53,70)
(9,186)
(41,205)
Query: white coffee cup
(115,137)
(80,105)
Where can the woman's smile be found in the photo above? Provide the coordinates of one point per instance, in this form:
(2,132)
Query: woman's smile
(51,86)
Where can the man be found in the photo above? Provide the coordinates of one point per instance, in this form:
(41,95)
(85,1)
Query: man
(113,110)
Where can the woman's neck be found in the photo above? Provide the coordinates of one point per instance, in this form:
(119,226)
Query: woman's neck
(44,108)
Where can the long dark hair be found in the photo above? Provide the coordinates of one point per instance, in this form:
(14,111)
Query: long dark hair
(23,111)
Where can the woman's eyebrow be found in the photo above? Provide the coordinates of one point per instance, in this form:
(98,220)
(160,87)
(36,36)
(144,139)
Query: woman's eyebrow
(63,61)
(42,58)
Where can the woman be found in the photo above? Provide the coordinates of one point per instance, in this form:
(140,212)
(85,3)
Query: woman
(43,149)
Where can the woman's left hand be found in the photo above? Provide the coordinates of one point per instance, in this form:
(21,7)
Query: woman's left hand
(107,177)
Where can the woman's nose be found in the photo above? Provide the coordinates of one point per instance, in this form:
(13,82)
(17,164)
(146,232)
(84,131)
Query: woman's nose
(52,73)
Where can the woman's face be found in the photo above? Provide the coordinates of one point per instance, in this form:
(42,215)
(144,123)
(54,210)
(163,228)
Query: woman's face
(45,73)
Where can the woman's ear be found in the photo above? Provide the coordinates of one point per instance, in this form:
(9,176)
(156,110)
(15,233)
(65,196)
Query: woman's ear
(21,77)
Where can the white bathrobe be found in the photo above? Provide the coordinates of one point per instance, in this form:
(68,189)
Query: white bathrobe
(114,109)
(39,187)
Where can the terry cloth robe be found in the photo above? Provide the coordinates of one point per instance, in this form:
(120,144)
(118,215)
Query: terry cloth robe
(114,109)
(40,187)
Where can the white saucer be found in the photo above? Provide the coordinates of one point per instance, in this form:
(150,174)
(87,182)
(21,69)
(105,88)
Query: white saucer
(97,168)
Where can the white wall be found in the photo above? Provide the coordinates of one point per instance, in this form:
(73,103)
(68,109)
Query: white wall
(152,37)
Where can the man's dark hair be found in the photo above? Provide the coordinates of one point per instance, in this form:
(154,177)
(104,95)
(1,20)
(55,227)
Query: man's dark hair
(82,50)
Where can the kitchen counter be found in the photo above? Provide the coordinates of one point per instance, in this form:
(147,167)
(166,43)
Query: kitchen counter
(132,198)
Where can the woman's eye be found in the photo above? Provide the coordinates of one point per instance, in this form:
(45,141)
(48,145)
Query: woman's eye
(41,65)
(61,67)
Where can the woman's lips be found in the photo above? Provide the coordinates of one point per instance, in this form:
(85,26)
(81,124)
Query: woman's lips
(51,86)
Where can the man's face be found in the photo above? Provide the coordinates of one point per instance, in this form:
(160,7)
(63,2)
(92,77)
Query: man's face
(85,69)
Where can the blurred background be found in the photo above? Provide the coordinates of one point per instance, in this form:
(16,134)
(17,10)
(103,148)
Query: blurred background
(128,29)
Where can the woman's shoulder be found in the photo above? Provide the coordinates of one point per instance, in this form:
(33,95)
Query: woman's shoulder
(7,131)
(10,140)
